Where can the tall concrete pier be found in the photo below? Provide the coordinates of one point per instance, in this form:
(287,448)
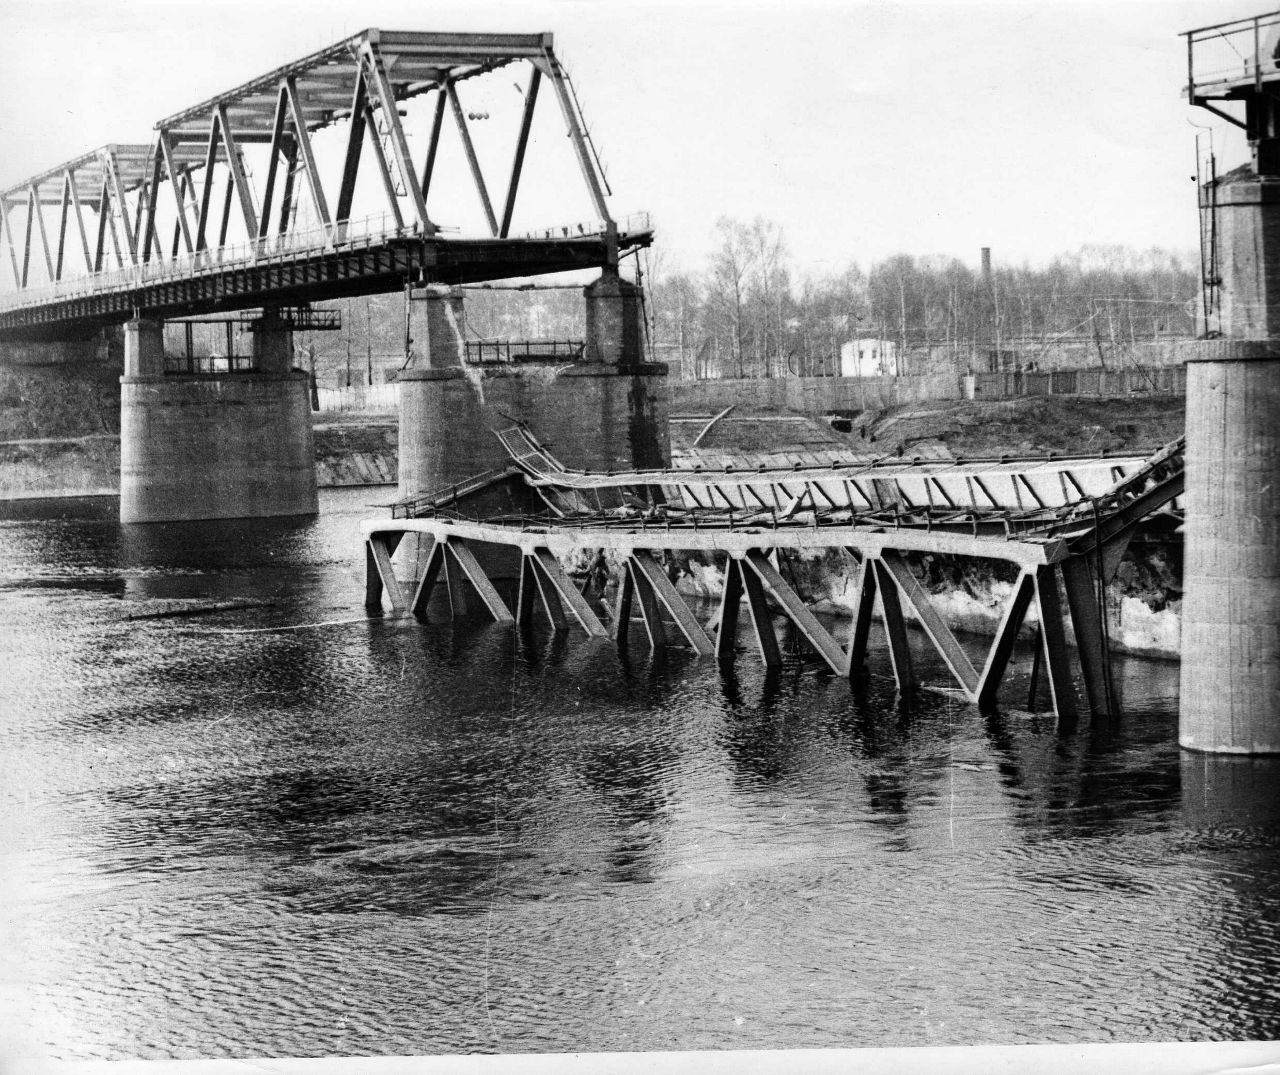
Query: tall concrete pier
(1230,700)
(216,445)
(606,411)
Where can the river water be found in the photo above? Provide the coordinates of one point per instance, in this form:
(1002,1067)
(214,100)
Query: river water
(378,837)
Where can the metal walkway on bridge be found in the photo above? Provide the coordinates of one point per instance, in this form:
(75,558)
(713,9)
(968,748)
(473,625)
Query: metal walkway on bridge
(1069,549)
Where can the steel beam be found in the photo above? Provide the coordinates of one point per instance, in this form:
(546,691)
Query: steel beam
(382,90)
(303,140)
(63,212)
(939,633)
(26,239)
(384,168)
(761,618)
(817,636)
(286,196)
(1080,583)
(178,183)
(551,68)
(434,560)
(538,581)
(100,246)
(650,613)
(236,164)
(273,161)
(227,198)
(864,607)
(669,596)
(577,604)
(1056,658)
(522,142)
(355,143)
(477,176)
(895,629)
(433,142)
(206,193)
(8,236)
(117,193)
(1011,620)
(475,575)
(622,607)
(730,604)
(150,195)
(380,547)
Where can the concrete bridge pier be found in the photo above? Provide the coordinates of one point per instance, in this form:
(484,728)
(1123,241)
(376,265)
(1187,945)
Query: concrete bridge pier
(214,445)
(608,411)
(1230,700)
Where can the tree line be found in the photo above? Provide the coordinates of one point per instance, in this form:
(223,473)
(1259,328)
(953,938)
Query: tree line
(748,313)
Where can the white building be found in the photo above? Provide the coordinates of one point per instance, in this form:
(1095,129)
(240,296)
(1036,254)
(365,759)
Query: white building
(869,358)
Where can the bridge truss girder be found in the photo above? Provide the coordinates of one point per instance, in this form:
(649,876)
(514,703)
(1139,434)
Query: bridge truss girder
(196,173)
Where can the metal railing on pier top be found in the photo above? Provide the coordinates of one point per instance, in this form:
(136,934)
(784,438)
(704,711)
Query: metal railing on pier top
(1235,55)
(512,351)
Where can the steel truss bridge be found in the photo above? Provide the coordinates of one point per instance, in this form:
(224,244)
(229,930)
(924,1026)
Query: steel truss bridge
(185,226)
(755,521)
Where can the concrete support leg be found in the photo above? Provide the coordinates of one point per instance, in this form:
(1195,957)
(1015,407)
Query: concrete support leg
(761,619)
(144,348)
(895,629)
(615,325)
(213,446)
(730,603)
(939,633)
(1080,583)
(435,326)
(622,608)
(643,563)
(864,608)
(650,610)
(380,575)
(1054,640)
(795,609)
(1001,651)
(272,343)
(1230,699)
(469,567)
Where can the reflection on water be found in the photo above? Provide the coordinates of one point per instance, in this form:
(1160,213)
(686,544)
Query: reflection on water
(375,836)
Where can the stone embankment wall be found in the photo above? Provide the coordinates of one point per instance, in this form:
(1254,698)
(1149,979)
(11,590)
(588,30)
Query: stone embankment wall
(357,453)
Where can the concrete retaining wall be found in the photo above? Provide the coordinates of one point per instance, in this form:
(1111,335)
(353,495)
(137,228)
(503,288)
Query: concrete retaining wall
(820,395)
(381,398)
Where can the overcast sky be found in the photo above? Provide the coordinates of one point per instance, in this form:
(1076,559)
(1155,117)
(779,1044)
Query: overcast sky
(863,129)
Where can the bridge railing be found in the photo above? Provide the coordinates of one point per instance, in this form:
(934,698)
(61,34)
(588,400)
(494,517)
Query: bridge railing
(351,234)
(630,224)
(346,234)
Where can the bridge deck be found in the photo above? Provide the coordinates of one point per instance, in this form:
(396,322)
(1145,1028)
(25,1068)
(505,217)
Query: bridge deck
(311,268)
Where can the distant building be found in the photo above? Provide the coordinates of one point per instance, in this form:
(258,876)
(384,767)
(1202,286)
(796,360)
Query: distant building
(869,358)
